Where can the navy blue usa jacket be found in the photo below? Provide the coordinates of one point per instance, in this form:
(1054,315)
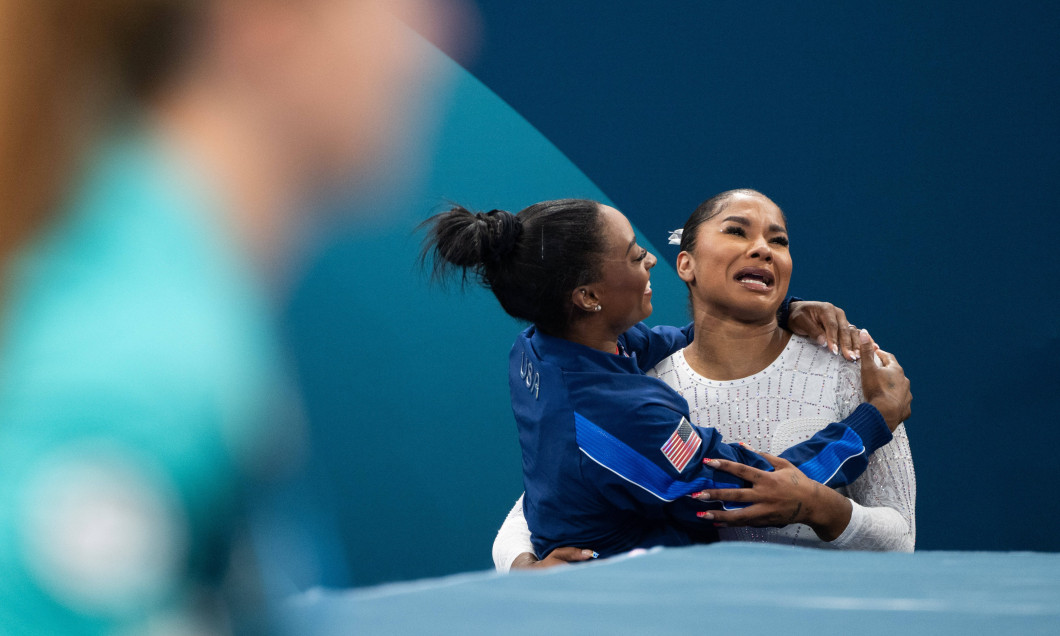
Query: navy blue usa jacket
(609,454)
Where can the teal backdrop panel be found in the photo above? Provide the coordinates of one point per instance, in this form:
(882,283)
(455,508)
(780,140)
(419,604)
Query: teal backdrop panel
(915,147)
(415,457)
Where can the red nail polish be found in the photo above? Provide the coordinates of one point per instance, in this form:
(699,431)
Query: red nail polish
(707,459)
(701,514)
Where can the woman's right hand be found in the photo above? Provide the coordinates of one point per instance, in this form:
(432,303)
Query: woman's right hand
(778,498)
(559,556)
(884,383)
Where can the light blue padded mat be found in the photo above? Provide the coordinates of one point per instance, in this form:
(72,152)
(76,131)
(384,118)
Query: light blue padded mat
(730,588)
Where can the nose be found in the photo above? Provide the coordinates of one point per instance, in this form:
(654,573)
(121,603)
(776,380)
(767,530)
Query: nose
(760,249)
(650,260)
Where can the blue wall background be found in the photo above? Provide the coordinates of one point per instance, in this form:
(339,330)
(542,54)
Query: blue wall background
(912,145)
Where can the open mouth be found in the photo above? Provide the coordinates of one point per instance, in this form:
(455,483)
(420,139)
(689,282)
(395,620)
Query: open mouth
(755,278)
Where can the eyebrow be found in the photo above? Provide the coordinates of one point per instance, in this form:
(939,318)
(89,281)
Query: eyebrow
(743,221)
(631,244)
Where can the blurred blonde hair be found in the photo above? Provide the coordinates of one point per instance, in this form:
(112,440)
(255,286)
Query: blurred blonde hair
(63,65)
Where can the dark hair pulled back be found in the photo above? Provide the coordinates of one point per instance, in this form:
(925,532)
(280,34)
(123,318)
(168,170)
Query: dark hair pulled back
(706,211)
(531,261)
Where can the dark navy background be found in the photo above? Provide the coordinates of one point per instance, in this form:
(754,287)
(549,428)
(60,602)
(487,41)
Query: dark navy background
(913,147)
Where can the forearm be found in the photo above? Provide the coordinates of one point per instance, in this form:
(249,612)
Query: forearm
(654,345)
(828,513)
(875,529)
(884,499)
(839,454)
(513,540)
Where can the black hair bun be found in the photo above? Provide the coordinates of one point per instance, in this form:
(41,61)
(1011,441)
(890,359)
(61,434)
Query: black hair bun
(498,236)
(532,262)
(462,238)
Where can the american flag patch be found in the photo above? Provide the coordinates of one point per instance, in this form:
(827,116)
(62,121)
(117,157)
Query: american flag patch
(682,445)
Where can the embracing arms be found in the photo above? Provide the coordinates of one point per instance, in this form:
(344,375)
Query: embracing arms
(879,514)
(880,511)
(828,512)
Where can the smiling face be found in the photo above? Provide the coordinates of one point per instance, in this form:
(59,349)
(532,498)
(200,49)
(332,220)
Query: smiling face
(623,289)
(740,266)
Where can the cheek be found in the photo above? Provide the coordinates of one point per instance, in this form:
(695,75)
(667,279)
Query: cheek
(634,282)
(784,266)
(711,267)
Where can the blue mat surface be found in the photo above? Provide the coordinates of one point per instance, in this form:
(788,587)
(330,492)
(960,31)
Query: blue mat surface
(736,588)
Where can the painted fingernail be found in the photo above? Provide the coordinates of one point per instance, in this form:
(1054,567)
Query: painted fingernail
(596,555)
(696,495)
(704,515)
(822,341)
(835,350)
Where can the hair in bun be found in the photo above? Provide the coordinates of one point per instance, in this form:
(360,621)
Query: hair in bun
(531,261)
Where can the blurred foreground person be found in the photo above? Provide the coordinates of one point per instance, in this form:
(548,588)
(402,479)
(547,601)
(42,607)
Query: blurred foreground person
(154,154)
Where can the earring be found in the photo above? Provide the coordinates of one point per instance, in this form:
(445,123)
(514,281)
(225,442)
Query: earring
(597,308)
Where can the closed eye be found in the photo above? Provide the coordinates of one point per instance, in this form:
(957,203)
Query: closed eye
(779,240)
(735,230)
(643,255)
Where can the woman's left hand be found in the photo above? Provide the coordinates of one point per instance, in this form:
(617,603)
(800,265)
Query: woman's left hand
(825,323)
(559,556)
(777,499)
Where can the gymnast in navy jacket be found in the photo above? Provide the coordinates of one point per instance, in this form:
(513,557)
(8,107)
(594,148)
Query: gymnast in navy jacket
(609,457)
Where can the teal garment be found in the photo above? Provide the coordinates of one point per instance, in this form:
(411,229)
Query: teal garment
(135,337)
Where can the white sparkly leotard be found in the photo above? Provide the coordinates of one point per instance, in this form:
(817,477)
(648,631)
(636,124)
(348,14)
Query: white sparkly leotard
(800,393)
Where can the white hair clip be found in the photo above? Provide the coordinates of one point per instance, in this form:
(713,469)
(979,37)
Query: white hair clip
(675,237)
